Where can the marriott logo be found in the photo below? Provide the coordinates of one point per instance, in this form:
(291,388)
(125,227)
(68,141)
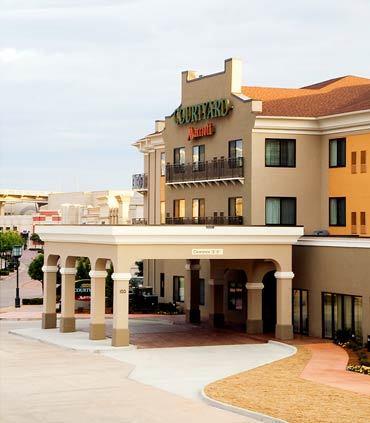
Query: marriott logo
(204,131)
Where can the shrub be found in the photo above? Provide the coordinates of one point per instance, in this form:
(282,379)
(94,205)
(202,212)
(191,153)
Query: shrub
(4,272)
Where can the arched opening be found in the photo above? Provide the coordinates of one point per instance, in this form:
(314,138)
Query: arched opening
(269,302)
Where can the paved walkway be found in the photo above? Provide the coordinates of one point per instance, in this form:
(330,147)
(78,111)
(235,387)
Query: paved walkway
(43,383)
(328,366)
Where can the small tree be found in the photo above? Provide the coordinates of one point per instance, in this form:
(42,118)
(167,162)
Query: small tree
(35,269)
(83,268)
(36,239)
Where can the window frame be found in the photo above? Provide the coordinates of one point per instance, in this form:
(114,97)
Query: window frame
(293,140)
(238,285)
(333,317)
(161,284)
(301,331)
(342,139)
(280,217)
(176,281)
(341,225)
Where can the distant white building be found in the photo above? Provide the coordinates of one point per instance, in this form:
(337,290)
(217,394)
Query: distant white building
(110,207)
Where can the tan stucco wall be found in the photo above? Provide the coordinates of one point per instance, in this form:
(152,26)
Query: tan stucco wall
(302,181)
(332,269)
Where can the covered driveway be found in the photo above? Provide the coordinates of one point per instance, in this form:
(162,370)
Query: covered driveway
(123,245)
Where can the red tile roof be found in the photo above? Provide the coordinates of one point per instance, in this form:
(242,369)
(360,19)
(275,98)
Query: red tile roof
(335,96)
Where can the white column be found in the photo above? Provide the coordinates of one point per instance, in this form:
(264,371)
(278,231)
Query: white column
(254,307)
(284,327)
(67,319)
(97,304)
(49,315)
(120,334)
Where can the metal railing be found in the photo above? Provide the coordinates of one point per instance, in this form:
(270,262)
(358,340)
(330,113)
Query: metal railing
(202,171)
(209,220)
(140,181)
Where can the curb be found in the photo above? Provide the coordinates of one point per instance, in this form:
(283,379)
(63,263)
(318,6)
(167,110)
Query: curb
(244,411)
(97,350)
(241,411)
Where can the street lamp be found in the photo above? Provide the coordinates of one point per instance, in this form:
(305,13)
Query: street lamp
(16,253)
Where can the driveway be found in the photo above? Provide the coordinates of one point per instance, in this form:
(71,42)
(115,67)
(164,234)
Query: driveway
(45,383)
(185,371)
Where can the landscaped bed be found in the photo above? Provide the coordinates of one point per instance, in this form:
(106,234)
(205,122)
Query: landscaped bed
(277,390)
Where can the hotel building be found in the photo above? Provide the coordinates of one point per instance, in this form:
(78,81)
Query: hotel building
(239,155)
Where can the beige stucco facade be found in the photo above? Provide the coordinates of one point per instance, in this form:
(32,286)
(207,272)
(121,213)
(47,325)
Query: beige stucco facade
(310,181)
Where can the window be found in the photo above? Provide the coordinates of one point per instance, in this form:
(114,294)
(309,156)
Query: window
(280,210)
(337,152)
(198,209)
(353,222)
(300,311)
(179,160)
(163,164)
(163,212)
(363,161)
(202,295)
(280,153)
(236,153)
(341,312)
(198,157)
(354,162)
(179,208)
(161,280)
(178,289)
(363,223)
(235,295)
(236,207)
(337,211)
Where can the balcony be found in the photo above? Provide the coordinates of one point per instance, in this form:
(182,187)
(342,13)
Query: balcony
(140,182)
(211,220)
(214,172)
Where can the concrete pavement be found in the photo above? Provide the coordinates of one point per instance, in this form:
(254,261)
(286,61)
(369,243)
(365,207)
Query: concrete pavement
(44,383)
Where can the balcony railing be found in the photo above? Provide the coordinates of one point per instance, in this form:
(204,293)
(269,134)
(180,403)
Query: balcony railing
(217,170)
(140,182)
(139,221)
(211,220)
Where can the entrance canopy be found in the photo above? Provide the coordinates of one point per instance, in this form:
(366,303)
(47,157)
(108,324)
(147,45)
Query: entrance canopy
(123,245)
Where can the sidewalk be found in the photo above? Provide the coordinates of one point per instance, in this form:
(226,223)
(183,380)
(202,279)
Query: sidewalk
(328,366)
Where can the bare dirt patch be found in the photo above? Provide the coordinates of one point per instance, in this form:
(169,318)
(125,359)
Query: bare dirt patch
(277,390)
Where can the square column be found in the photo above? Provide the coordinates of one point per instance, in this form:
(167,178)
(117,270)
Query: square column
(97,304)
(284,327)
(254,307)
(192,307)
(216,303)
(121,333)
(67,319)
(49,315)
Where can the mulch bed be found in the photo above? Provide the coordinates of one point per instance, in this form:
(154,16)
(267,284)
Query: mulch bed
(277,390)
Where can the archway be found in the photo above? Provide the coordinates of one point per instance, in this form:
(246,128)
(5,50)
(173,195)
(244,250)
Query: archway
(269,302)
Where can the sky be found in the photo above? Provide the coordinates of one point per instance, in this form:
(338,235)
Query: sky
(81,80)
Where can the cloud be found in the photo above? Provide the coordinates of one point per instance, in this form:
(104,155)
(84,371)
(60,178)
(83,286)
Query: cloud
(80,80)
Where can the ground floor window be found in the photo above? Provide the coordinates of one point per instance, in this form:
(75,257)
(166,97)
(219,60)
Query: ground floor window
(202,295)
(341,312)
(178,289)
(300,311)
(161,280)
(235,295)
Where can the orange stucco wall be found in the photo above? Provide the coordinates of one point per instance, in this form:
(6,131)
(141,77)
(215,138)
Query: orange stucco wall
(354,186)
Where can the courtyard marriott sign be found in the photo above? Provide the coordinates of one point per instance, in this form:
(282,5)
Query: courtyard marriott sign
(197,112)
